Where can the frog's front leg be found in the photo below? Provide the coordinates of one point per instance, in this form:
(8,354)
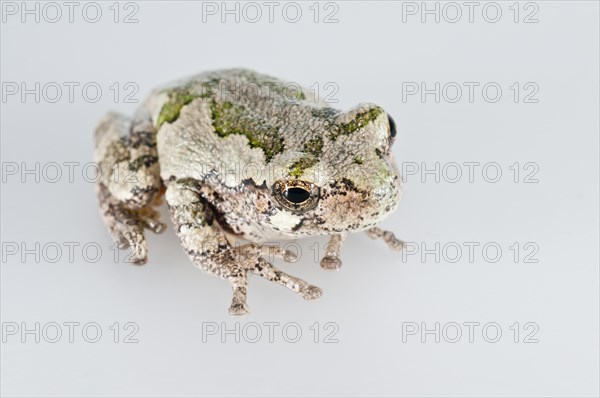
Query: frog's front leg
(331,260)
(129,183)
(387,236)
(208,247)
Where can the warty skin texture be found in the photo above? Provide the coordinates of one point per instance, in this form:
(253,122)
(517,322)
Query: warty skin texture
(247,156)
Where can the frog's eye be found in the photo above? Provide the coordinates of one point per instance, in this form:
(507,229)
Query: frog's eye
(296,195)
(392,126)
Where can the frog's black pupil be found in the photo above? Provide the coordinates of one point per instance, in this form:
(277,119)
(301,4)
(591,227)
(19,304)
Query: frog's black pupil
(296,195)
(392,126)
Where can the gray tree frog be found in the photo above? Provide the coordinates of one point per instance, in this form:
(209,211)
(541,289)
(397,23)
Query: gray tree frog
(242,155)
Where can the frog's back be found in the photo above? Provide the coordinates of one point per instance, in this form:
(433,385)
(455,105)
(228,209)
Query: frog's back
(239,85)
(234,118)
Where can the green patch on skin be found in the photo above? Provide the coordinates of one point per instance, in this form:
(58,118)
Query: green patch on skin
(313,148)
(208,87)
(172,108)
(358,160)
(287,91)
(299,166)
(360,120)
(233,119)
(300,95)
(182,96)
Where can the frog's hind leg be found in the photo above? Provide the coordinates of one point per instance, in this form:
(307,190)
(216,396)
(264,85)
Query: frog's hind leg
(129,185)
(126,226)
(208,247)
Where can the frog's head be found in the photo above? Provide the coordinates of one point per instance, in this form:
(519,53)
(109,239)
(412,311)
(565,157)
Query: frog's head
(351,183)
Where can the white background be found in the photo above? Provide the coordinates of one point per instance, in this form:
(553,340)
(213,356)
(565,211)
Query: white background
(370,54)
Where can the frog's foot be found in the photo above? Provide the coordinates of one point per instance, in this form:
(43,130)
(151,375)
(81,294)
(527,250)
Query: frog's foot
(331,260)
(249,259)
(127,226)
(387,236)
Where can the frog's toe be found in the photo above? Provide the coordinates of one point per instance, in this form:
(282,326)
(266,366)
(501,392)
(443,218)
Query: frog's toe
(150,219)
(331,262)
(387,236)
(238,308)
(139,247)
(238,301)
(396,244)
(311,292)
(155,226)
(121,241)
(289,256)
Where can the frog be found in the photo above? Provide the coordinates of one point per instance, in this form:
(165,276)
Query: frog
(244,159)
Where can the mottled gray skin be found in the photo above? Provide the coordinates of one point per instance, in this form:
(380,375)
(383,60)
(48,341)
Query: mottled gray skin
(230,148)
